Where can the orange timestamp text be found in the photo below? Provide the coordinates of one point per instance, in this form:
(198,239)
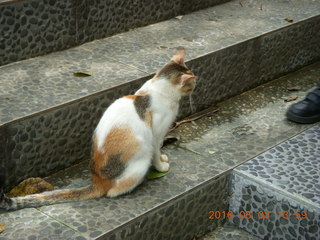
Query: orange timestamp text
(257,215)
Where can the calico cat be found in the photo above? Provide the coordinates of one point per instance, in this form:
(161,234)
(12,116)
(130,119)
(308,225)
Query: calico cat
(127,139)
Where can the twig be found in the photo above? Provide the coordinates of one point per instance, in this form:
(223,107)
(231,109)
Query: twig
(204,104)
(208,114)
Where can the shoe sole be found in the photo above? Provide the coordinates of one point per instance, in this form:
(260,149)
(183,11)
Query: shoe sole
(299,119)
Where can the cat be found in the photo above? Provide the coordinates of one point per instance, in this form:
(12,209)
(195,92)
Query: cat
(127,140)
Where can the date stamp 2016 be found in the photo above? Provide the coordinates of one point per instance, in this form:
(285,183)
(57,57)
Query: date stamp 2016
(213,215)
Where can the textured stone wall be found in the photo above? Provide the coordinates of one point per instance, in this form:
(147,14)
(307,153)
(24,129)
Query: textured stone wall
(31,28)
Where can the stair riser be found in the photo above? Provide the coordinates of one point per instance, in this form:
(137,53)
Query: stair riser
(59,138)
(255,202)
(181,219)
(246,65)
(55,139)
(31,28)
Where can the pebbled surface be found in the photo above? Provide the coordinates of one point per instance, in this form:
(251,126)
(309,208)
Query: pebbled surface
(55,139)
(35,85)
(229,232)
(47,115)
(293,166)
(245,126)
(217,28)
(219,50)
(247,123)
(32,224)
(30,28)
(269,212)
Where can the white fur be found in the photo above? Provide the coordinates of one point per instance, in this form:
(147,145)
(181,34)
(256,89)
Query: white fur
(164,108)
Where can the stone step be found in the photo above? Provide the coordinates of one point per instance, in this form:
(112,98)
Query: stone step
(47,115)
(30,28)
(179,205)
(229,232)
(276,195)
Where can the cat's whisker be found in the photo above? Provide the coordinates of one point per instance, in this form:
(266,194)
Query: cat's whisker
(191,104)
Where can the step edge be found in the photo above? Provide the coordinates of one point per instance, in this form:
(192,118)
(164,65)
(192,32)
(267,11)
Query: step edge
(149,75)
(163,204)
(264,184)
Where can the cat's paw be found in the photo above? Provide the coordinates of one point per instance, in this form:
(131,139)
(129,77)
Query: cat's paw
(162,167)
(164,158)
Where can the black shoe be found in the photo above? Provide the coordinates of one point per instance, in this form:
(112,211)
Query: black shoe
(307,110)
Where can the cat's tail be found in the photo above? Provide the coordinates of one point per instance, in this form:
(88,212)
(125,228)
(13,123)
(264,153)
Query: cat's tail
(48,198)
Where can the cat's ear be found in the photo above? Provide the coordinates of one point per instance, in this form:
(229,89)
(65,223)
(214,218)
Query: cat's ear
(178,57)
(186,79)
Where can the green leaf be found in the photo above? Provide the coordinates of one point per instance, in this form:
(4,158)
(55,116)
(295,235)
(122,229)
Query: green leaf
(82,74)
(153,174)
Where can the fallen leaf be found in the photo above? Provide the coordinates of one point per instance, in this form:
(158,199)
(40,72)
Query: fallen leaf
(290,99)
(295,88)
(82,74)
(179,17)
(289,19)
(170,139)
(153,174)
(207,114)
(2,227)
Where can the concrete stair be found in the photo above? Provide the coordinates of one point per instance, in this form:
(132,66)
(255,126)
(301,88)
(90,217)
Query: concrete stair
(30,28)
(278,193)
(47,117)
(229,231)
(201,180)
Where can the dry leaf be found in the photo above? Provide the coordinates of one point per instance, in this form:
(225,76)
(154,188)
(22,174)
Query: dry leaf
(170,139)
(2,227)
(82,74)
(290,99)
(289,19)
(30,186)
(295,88)
(179,17)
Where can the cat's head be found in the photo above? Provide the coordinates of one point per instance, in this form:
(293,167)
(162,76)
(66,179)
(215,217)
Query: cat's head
(179,75)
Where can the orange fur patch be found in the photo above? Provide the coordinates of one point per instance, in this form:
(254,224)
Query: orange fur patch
(123,186)
(133,97)
(121,141)
(102,184)
(99,159)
